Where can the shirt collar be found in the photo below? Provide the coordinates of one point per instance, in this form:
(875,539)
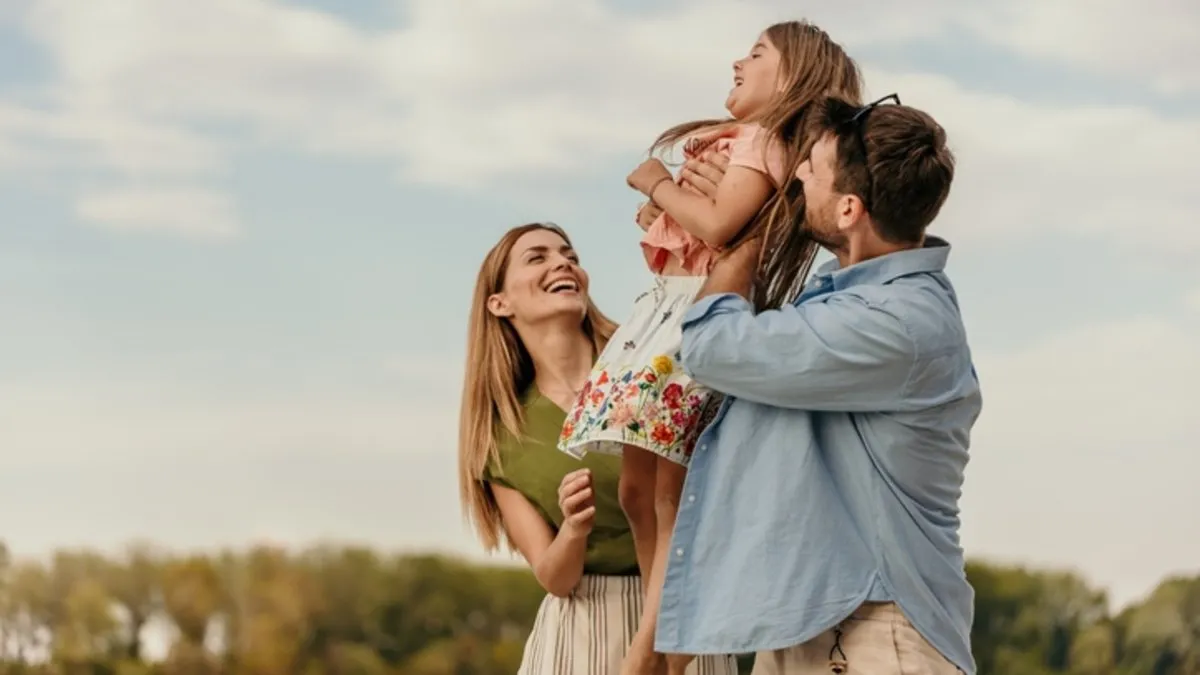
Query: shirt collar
(929,258)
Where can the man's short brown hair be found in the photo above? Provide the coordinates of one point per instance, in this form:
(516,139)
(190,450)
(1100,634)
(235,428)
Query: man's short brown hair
(905,176)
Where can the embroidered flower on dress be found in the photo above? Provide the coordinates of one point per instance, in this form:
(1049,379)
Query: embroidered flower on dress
(655,407)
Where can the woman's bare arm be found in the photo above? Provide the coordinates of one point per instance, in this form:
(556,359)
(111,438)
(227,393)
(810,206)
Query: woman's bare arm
(556,558)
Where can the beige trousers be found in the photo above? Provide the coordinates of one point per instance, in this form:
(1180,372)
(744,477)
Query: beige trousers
(875,640)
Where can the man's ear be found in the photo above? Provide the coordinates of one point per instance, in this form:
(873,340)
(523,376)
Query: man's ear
(850,211)
(497,304)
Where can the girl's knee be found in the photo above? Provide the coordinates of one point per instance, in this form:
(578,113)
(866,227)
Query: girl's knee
(635,494)
(666,505)
(668,488)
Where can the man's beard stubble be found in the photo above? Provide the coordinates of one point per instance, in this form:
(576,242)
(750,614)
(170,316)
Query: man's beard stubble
(819,226)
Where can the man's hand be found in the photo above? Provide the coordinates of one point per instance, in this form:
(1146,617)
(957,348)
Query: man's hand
(703,173)
(734,270)
(577,502)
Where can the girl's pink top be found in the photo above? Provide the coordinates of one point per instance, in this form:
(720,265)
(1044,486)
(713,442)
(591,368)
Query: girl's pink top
(745,145)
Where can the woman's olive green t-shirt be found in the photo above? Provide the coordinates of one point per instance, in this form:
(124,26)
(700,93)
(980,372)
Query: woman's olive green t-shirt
(534,466)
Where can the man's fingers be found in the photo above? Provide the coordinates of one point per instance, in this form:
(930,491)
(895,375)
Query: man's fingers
(706,186)
(697,169)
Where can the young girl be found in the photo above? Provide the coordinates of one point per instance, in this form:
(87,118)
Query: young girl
(637,401)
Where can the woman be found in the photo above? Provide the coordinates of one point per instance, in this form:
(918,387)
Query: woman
(533,336)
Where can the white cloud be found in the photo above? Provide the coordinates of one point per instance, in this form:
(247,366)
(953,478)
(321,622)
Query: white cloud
(130,418)
(467,98)
(191,212)
(1082,456)
(1028,167)
(1085,453)
(1156,42)
(41,138)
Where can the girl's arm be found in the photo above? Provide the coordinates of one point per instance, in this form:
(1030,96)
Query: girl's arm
(703,173)
(741,194)
(556,559)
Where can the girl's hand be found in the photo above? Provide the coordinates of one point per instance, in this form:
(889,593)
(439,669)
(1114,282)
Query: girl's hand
(647,176)
(646,214)
(577,503)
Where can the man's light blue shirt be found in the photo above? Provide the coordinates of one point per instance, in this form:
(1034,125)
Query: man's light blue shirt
(832,472)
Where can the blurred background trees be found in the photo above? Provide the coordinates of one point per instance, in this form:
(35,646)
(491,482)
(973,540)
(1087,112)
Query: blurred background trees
(353,611)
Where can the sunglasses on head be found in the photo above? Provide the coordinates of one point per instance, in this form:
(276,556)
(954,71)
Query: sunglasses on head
(854,124)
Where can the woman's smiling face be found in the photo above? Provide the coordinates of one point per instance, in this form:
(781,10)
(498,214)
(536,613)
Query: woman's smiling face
(543,280)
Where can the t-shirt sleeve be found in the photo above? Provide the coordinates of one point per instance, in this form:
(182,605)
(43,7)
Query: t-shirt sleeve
(752,149)
(494,475)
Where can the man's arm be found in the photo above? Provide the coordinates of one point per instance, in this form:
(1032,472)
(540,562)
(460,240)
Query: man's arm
(840,354)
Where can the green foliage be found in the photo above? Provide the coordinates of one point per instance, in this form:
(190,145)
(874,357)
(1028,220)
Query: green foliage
(353,611)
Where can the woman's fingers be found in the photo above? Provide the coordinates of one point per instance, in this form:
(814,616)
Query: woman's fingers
(573,482)
(583,517)
(575,502)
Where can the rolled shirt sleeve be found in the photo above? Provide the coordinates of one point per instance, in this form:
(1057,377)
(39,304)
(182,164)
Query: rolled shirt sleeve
(837,353)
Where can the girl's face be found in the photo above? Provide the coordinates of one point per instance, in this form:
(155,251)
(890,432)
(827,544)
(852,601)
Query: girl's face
(755,80)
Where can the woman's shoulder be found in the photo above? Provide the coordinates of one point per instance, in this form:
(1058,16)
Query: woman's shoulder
(542,426)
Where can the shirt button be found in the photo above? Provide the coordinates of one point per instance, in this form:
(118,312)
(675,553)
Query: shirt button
(704,446)
(691,498)
(679,552)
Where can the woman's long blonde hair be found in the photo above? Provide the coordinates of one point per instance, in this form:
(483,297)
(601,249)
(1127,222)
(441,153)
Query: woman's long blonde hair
(498,371)
(811,67)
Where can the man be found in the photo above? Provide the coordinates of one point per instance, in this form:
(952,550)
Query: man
(819,521)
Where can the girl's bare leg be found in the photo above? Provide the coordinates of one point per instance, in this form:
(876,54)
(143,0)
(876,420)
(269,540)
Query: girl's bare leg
(641,658)
(635,492)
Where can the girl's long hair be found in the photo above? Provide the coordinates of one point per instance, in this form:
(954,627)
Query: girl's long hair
(498,371)
(812,67)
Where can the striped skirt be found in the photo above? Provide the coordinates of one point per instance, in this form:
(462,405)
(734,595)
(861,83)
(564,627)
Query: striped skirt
(587,633)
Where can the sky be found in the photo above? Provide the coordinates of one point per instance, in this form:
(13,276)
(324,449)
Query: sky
(239,239)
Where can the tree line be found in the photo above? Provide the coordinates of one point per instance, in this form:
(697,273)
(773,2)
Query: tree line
(353,611)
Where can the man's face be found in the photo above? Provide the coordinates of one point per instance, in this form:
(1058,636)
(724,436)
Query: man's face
(821,199)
